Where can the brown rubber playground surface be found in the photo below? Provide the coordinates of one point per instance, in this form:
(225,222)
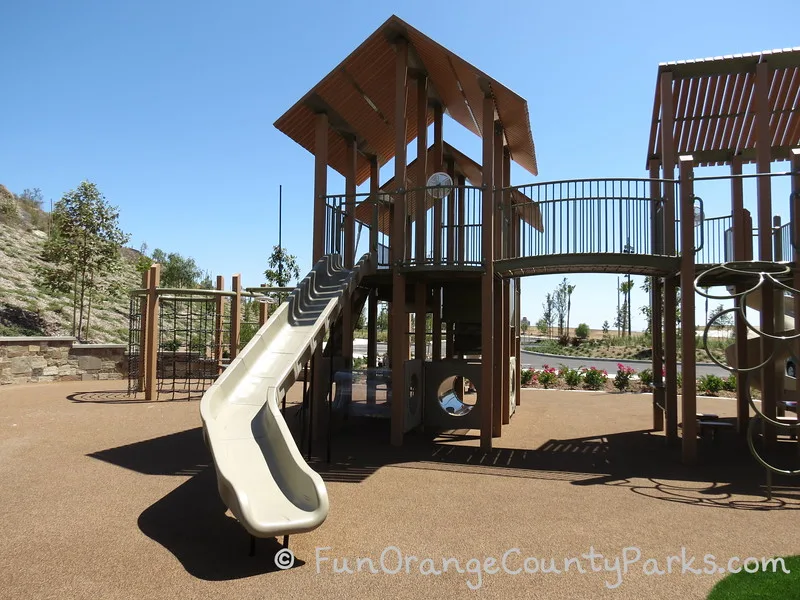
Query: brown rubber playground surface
(104,497)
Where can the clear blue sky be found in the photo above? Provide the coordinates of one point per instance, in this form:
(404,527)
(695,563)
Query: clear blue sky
(168,106)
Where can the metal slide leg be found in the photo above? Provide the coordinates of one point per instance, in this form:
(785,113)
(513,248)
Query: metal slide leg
(252,545)
(286,541)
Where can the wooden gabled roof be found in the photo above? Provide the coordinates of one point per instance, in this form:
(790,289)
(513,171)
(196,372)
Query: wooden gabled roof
(358,96)
(714,106)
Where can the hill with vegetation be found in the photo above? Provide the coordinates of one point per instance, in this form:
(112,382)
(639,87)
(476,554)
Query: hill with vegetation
(26,306)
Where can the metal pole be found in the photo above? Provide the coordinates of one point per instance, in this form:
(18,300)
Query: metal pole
(280,237)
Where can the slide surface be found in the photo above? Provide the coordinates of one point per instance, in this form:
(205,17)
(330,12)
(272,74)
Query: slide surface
(261,475)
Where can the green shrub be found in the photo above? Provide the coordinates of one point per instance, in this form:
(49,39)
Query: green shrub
(526,376)
(198,343)
(171,345)
(9,213)
(729,384)
(582,331)
(646,377)
(572,377)
(360,362)
(710,384)
(622,379)
(594,378)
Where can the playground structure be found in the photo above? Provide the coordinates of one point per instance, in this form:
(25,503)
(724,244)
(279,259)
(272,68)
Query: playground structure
(458,251)
(180,339)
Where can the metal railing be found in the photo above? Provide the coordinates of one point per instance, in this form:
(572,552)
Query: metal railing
(443,227)
(713,239)
(588,216)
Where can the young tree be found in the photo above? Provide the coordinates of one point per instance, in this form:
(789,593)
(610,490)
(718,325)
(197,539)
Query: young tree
(543,326)
(560,305)
(82,250)
(383,318)
(177,270)
(549,312)
(282,268)
(605,328)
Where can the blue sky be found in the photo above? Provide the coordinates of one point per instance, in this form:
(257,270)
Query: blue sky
(168,106)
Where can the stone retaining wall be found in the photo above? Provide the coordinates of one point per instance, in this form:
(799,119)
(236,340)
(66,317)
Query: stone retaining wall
(35,359)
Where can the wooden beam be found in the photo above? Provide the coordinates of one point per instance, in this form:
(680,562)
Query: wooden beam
(236,315)
(688,329)
(667,145)
(151,356)
(486,392)
(320,185)
(398,315)
(772,372)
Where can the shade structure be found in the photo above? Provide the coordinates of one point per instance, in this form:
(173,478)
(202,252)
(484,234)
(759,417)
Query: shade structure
(714,107)
(358,97)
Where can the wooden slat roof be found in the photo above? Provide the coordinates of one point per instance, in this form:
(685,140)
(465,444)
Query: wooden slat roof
(463,165)
(358,96)
(715,109)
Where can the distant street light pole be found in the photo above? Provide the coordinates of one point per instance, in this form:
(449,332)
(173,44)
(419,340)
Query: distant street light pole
(280,242)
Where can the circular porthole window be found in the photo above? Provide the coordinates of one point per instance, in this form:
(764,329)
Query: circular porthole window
(456,395)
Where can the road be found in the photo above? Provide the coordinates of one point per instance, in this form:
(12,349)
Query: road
(537,361)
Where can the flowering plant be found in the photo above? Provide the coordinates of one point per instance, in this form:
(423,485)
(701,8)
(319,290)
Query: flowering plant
(547,376)
(594,378)
(623,377)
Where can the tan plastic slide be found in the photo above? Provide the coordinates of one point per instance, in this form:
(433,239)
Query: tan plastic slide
(754,342)
(261,475)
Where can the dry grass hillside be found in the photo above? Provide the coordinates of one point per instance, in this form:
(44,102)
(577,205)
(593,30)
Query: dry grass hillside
(27,309)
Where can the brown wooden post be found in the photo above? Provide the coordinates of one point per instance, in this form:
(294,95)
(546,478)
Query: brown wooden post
(372,306)
(142,381)
(320,183)
(515,343)
(741,232)
(502,409)
(398,314)
(236,315)
(671,283)
(486,392)
(348,318)
(688,327)
(461,209)
(450,248)
(151,355)
(374,188)
(438,165)
(219,319)
(263,311)
(794,207)
(421,215)
(350,202)
(656,306)
(771,373)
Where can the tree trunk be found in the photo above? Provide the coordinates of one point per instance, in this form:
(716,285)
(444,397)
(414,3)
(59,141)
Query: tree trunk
(89,307)
(74,302)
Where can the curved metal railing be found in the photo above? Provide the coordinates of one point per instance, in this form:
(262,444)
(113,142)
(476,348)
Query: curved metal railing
(765,277)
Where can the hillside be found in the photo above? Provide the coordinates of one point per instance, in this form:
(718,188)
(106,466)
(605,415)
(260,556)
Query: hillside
(26,309)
